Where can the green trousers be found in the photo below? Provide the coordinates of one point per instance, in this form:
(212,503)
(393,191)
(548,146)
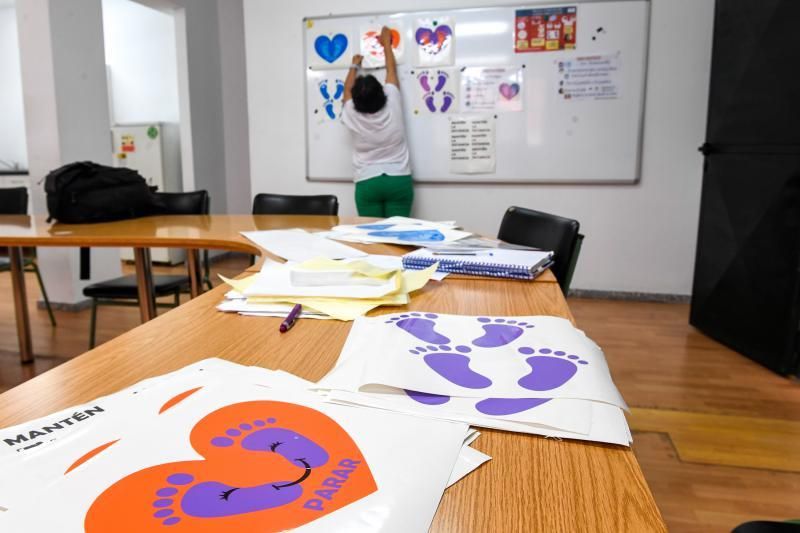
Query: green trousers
(385,196)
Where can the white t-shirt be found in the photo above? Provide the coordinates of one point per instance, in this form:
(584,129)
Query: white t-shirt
(379,139)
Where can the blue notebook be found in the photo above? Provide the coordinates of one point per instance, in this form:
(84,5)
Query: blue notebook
(495,262)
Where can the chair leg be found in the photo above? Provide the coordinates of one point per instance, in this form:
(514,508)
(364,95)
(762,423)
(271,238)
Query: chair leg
(207,270)
(44,294)
(93,324)
(177,298)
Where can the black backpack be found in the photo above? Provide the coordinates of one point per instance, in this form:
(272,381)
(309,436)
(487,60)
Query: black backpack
(86,192)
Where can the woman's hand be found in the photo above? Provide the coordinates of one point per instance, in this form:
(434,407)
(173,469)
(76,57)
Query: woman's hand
(386,37)
(357,59)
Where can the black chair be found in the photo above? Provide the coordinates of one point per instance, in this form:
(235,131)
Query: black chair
(285,204)
(14,201)
(547,232)
(123,291)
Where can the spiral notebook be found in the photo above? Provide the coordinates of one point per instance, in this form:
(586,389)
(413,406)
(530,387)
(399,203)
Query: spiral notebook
(496,262)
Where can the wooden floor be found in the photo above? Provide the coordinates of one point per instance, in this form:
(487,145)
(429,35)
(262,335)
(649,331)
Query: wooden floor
(716,434)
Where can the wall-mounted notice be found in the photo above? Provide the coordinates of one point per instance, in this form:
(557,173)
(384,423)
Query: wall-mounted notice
(545,29)
(372,49)
(491,89)
(435,42)
(594,77)
(472,145)
(437,91)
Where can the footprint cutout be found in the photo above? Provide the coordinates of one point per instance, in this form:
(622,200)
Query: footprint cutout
(549,369)
(423,81)
(448,99)
(508,406)
(426,397)
(329,109)
(339,90)
(323,89)
(499,332)
(429,102)
(441,80)
(454,367)
(420,326)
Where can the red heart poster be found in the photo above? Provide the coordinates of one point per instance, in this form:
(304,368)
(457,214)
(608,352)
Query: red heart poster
(267,466)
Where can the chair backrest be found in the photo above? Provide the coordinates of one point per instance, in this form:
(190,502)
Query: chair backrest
(285,204)
(14,201)
(184,203)
(548,232)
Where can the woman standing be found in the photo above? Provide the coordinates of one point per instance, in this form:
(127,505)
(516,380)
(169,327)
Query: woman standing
(374,113)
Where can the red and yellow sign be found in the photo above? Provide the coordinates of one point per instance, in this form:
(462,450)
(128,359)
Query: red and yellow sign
(545,29)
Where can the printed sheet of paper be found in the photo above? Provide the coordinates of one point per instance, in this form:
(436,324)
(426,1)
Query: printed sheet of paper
(372,49)
(299,245)
(594,77)
(484,357)
(490,89)
(328,44)
(222,439)
(436,91)
(399,230)
(435,42)
(472,145)
(545,29)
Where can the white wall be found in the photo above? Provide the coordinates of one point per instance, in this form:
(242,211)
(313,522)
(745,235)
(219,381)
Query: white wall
(638,237)
(141,54)
(66,113)
(12,115)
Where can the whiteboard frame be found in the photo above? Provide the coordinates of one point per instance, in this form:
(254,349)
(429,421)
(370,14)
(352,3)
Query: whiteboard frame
(640,126)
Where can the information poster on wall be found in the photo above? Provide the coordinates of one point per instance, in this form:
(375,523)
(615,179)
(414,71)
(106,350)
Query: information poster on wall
(472,145)
(594,77)
(545,29)
(491,89)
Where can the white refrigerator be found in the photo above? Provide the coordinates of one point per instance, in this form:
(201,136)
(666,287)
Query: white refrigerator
(153,150)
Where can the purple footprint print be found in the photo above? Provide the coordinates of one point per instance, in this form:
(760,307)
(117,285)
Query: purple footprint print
(426,397)
(447,101)
(508,406)
(429,102)
(499,332)
(548,372)
(212,499)
(454,367)
(441,80)
(423,82)
(421,327)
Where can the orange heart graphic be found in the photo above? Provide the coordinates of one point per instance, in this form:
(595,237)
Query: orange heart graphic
(269,466)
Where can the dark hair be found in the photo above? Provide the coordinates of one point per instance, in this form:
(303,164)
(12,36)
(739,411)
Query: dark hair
(368,95)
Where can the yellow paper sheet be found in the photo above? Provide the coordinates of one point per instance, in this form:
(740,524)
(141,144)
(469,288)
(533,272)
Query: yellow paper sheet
(344,308)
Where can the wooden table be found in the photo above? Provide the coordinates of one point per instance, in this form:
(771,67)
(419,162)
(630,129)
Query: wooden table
(191,232)
(532,483)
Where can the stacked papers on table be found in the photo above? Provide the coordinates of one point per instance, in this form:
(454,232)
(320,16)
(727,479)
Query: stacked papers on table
(398,230)
(530,374)
(326,288)
(221,447)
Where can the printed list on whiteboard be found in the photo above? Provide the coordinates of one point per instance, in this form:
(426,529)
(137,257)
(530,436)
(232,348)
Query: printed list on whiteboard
(472,145)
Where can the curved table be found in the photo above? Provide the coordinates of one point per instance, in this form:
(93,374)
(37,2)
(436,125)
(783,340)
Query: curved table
(532,483)
(191,232)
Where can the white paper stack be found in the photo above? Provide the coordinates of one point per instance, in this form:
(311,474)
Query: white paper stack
(399,230)
(223,447)
(530,374)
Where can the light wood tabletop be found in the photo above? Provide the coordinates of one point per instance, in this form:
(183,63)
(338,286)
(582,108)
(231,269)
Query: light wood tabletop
(190,232)
(532,483)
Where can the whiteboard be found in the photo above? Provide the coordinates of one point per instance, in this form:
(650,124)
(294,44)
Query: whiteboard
(546,137)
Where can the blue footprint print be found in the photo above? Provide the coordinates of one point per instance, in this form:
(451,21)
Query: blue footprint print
(417,235)
(329,106)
